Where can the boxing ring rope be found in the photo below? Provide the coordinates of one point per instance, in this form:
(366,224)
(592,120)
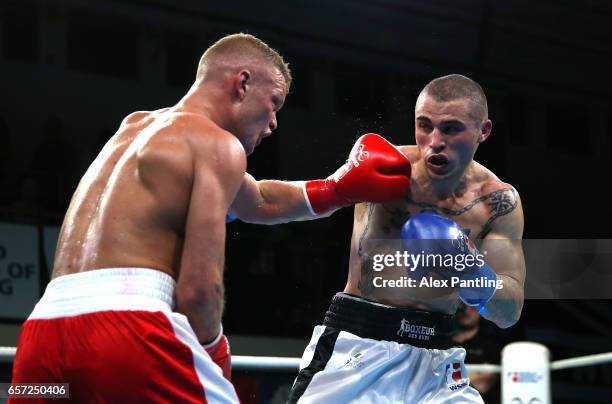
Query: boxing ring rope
(261,363)
(525,362)
(265,363)
(7,354)
(587,360)
(285,364)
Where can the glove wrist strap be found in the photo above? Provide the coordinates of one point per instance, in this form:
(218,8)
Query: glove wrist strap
(214,342)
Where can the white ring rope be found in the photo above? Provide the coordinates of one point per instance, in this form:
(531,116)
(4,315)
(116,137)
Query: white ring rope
(265,363)
(582,361)
(283,364)
(7,354)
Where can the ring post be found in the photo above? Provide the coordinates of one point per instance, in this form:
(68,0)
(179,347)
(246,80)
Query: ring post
(525,374)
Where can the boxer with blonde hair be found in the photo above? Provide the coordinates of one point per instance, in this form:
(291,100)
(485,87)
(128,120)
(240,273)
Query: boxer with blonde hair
(133,310)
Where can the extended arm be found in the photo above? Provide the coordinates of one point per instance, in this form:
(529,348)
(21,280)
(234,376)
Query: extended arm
(271,202)
(375,171)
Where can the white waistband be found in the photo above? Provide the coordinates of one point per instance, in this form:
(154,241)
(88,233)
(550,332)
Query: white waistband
(106,289)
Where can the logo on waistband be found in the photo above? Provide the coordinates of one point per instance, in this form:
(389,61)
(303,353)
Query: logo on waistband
(415,331)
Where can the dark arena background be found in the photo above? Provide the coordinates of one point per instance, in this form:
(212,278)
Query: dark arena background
(71,70)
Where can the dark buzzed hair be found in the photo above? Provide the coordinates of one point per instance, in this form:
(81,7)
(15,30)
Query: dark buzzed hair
(456,87)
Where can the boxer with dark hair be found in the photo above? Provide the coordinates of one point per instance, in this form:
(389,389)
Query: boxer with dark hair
(133,312)
(387,337)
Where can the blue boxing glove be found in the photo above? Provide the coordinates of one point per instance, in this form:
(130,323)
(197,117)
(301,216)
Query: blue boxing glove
(430,236)
(442,239)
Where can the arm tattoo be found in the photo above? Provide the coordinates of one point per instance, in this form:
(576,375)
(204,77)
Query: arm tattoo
(365,280)
(500,203)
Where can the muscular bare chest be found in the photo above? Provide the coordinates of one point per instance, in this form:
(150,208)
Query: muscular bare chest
(377,232)
(473,212)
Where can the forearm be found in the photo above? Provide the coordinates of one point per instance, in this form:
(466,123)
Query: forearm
(203,308)
(279,202)
(505,260)
(376,171)
(504,308)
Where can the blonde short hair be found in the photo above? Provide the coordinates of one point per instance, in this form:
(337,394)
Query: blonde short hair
(242,47)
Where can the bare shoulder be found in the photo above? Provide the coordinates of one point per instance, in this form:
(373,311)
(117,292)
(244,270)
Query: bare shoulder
(135,117)
(506,212)
(181,147)
(162,153)
(206,148)
(411,152)
(138,117)
(489,183)
(212,144)
(502,197)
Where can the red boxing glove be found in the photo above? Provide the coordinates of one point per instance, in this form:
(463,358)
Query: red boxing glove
(219,351)
(376,171)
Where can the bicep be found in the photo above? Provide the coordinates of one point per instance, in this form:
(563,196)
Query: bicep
(247,198)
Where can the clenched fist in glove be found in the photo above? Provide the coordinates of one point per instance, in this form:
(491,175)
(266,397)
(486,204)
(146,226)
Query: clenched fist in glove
(376,171)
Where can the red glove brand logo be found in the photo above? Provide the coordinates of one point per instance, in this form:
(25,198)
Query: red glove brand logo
(456,377)
(342,171)
(358,156)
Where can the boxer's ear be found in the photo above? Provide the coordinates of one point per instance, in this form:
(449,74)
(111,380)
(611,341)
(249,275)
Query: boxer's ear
(242,82)
(485,130)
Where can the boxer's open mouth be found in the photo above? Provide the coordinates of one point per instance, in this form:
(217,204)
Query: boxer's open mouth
(438,160)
